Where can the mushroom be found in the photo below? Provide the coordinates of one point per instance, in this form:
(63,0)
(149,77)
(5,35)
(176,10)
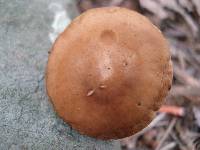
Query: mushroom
(109,72)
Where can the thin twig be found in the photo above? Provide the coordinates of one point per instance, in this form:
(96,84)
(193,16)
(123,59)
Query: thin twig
(180,144)
(169,129)
(169,146)
(158,118)
(173,110)
(185,78)
(191,93)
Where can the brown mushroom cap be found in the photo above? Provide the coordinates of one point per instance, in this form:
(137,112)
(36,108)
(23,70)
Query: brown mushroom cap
(108,73)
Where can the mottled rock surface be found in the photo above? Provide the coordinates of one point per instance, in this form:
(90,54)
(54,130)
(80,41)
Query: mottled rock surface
(27,119)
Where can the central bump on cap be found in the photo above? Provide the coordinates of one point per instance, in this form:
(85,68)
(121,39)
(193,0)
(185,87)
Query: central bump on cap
(108,36)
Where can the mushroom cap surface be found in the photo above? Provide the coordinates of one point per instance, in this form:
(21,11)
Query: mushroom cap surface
(109,72)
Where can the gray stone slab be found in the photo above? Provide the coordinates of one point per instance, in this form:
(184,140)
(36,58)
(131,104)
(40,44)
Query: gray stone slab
(27,119)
